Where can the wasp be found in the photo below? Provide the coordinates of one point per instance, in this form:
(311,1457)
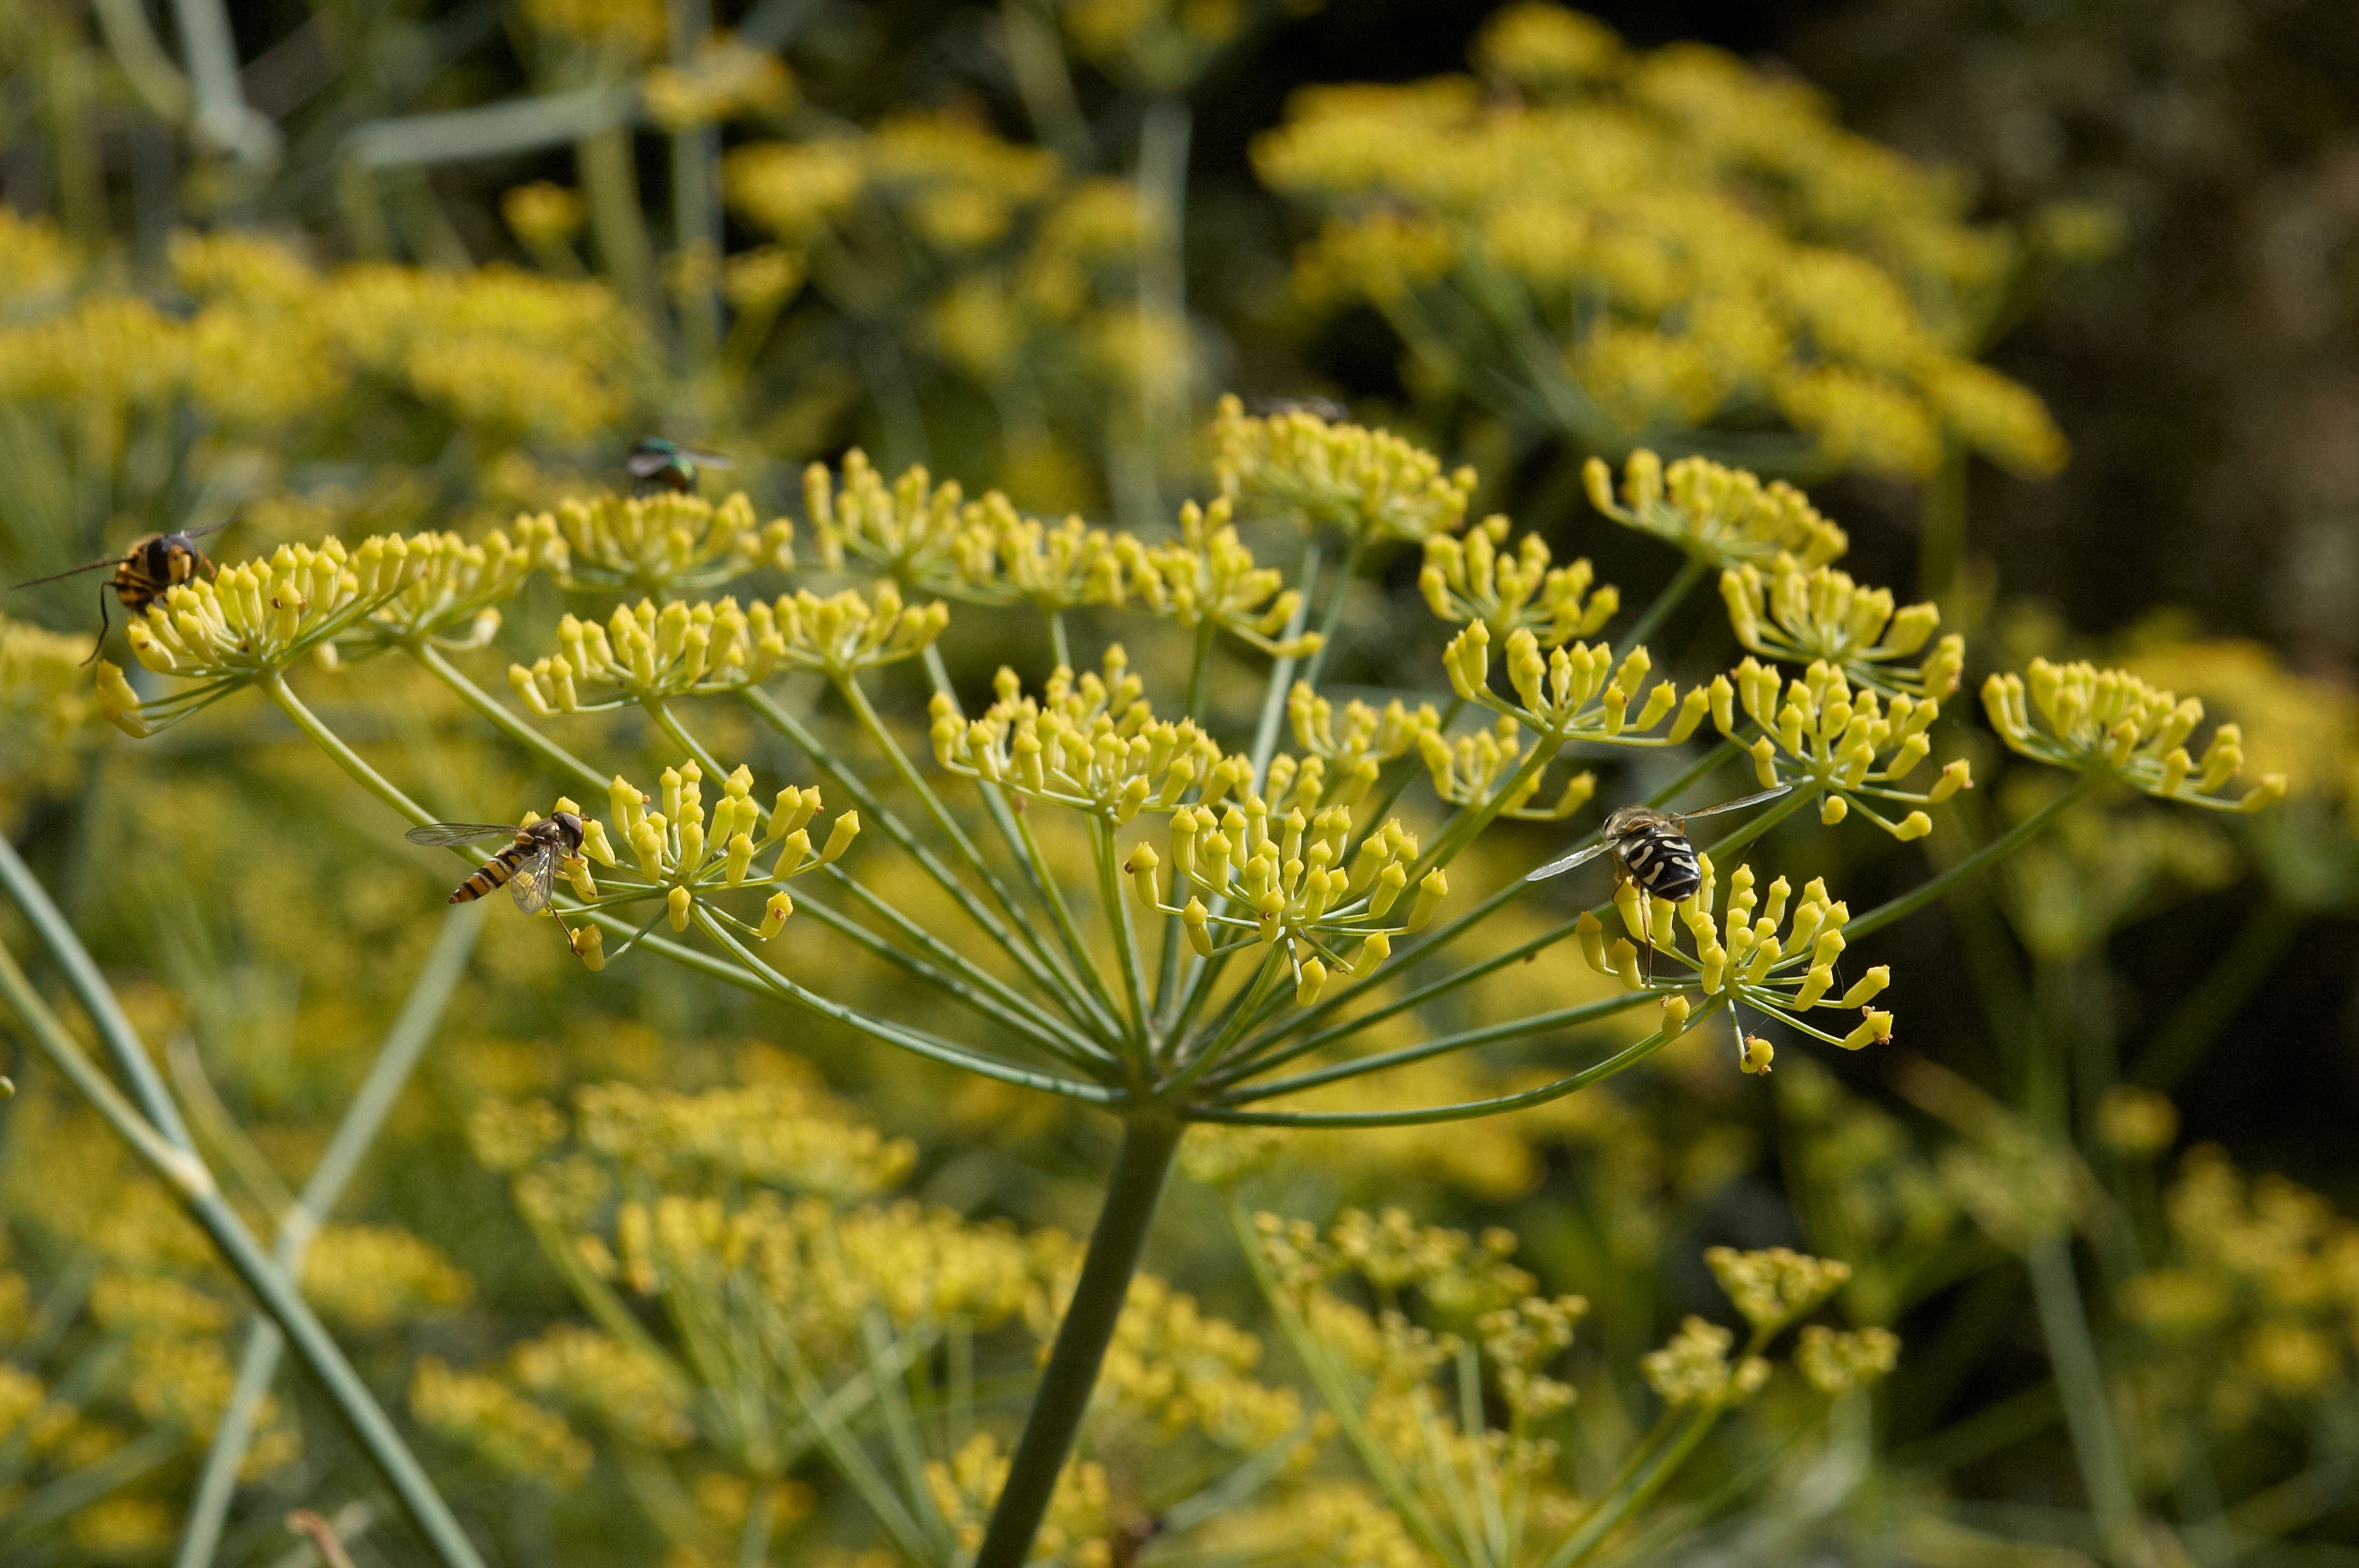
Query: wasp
(528,867)
(143,573)
(656,461)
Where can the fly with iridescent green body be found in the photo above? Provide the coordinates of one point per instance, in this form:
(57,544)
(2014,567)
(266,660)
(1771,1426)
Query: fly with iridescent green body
(657,464)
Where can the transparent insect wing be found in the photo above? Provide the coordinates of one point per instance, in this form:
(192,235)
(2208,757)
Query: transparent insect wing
(1736,804)
(708,459)
(438,834)
(535,880)
(647,465)
(1560,866)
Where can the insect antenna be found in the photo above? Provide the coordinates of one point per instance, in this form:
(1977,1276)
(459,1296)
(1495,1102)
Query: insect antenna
(69,571)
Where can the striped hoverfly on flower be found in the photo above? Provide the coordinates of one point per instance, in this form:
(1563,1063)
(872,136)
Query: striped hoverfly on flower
(527,868)
(145,572)
(1650,848)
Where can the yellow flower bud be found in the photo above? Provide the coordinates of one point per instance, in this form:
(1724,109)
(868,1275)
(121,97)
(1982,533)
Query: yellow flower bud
(840,838)
(1372,953)
(741,855)
(1833,809)
(589,945)
(677,901)
(1431,891)
(1309,982)
(1675,1017)
(593,841)
(691,845)
(577,872)
(1873,1029)
(1916,825)
(647,842)
(1955,775)
(1590,932)
(1625,963)
(1147,870)
(774,913)
(1194,921)
(1755,1055)
(1868,987)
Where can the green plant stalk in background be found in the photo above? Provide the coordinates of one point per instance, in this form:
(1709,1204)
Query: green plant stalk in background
(174,1160)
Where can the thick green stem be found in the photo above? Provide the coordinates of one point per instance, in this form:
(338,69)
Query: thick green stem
(197,1192)
(1126,958)
(2096,1446)
(1135,1187)
(363,1119)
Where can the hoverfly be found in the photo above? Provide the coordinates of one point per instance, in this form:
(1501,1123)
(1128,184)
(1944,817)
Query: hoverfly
(143,572)
(528,866)
(1650,847)
(656,461)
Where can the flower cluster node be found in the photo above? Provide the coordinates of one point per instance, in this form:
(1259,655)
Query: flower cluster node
(1370,484)
(1473,578)
(1817,614)
(1249,875)
(1836,1361)
(1207,577)
(1092,743)
(1694,1368)
(908,531)
(2110,720)
(1721,516)
(1779,961)
(1346,764)
(1580,692)
(1774,1287)
(1847,745)
(1476,769)
(659,543)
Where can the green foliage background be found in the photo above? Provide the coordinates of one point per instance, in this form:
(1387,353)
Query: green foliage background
(434,267)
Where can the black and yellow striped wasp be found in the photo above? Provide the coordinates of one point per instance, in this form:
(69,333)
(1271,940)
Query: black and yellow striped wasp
(527,868)
(143,572)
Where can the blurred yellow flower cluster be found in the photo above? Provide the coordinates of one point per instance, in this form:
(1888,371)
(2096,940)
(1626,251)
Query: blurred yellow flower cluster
(1621,242)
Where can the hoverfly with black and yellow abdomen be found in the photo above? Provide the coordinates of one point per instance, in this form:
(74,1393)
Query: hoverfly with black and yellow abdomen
(657,462)
(145,572)
(527,868)
(1650,848)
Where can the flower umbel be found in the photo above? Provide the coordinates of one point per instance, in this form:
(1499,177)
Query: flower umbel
(1847,745)
(1720,516)
(2110,720)
(1819,615)
(1370,484)
(1473,579)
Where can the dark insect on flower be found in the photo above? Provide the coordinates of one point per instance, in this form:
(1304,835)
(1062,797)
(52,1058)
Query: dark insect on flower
(1650,848)
(528,867)
(656,461)
(1324,408)
(143,573)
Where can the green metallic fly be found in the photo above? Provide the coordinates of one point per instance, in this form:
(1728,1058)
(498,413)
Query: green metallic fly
(656,462)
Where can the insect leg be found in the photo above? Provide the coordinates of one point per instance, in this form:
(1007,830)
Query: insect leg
(95,647)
